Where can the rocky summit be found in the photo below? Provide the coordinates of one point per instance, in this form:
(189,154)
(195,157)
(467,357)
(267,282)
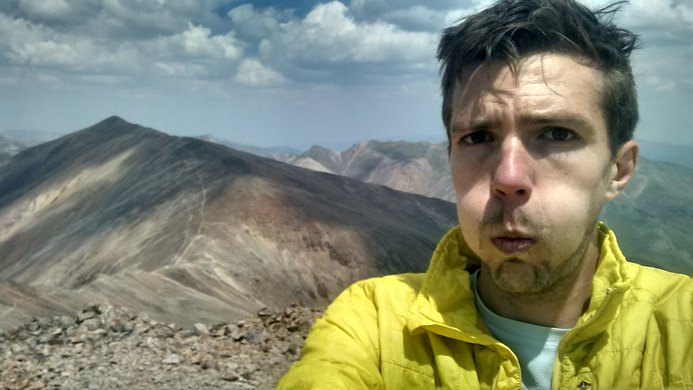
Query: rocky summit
(105,347)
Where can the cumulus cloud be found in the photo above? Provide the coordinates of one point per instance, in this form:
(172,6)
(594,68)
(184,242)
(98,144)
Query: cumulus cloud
(198,41)
(194,51)
(661,13)
(56,9)
(329,35)
(257,24)
(252,73)
(329,42)
(189,39)
(24,43)
(666,29)
(664,23)
(412,15)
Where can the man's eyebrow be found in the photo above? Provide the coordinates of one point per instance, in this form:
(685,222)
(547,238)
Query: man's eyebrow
(570,120)
(563,119)
(474,125)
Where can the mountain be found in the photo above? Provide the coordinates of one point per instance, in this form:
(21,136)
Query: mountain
(9,148)
(653,217)
(417,167)
(191,231)
(678,154)
(28,137)
(256,150)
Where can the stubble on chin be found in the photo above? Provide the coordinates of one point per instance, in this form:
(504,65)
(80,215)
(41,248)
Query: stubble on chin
(516,276)
(536,275)
(538,280)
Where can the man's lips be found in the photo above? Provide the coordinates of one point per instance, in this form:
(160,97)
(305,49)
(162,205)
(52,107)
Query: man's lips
(510,244)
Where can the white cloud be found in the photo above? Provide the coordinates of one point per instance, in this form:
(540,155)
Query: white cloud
(252,73)
(661,13)
(47,53)
(661,23)
(155,39)
(417,17)
(257,24)
(199,41)
(192,52)
(413,15)
(180,70)
(328,34)
(46,9)
(26,43)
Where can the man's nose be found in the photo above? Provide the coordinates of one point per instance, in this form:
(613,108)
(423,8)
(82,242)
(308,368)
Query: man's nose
(512,175)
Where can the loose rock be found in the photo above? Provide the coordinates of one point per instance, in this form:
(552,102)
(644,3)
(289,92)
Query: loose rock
(103,347)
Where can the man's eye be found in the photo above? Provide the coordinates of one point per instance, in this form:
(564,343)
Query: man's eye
(476,137)
(558,134)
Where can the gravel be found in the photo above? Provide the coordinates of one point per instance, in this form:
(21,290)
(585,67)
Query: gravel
(105,347)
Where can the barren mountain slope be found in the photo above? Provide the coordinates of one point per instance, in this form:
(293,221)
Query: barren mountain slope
(654,216)
(191,231)
(417,167)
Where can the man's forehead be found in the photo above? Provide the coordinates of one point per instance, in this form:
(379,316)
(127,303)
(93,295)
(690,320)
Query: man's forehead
(540,89)
(535,68)
(547,74)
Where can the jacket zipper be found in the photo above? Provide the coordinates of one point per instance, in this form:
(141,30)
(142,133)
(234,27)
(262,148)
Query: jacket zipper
(583,385)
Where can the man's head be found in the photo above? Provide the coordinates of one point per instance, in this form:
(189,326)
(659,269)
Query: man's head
(540,109)
(512,29)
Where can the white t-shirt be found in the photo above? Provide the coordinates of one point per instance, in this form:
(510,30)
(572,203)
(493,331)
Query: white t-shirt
(534,345)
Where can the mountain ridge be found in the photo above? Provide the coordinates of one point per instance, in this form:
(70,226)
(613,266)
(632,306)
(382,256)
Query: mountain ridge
(134,217)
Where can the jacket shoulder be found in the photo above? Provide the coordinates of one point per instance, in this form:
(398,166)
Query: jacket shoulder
(660,309)
(660,284)
(397,284)
(343,349)
(666,291)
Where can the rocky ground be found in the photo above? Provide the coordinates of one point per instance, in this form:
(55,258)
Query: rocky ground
(108,348)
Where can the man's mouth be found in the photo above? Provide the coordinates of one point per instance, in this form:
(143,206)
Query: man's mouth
(509,244)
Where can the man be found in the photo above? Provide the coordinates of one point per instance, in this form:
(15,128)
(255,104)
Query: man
(531,290)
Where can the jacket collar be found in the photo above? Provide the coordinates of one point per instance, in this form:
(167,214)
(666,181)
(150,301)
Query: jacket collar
(445,302)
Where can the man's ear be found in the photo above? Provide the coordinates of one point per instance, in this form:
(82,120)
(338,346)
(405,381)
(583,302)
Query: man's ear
(622,169)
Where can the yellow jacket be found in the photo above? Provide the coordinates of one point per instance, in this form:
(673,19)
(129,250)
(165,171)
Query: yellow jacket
(422,331)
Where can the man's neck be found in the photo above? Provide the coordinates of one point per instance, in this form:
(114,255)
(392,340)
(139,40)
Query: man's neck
(558,307)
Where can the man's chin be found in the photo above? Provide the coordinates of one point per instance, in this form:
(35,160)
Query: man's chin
(517,277)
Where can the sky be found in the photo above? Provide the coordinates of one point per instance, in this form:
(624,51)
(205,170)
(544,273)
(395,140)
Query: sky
(281,73)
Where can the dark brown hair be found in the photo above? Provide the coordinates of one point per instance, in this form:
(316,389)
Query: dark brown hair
(512,29)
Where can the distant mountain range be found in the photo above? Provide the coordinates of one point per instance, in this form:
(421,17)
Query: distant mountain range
(23,138)
(192,231)
(420,167)
(653,218)
(29,137)
(256,150)
(672,153)
(9,147)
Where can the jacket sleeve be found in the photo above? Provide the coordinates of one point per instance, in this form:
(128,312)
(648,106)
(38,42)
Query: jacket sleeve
(342,350)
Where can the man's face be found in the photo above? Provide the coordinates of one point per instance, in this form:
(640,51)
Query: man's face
(531,168)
